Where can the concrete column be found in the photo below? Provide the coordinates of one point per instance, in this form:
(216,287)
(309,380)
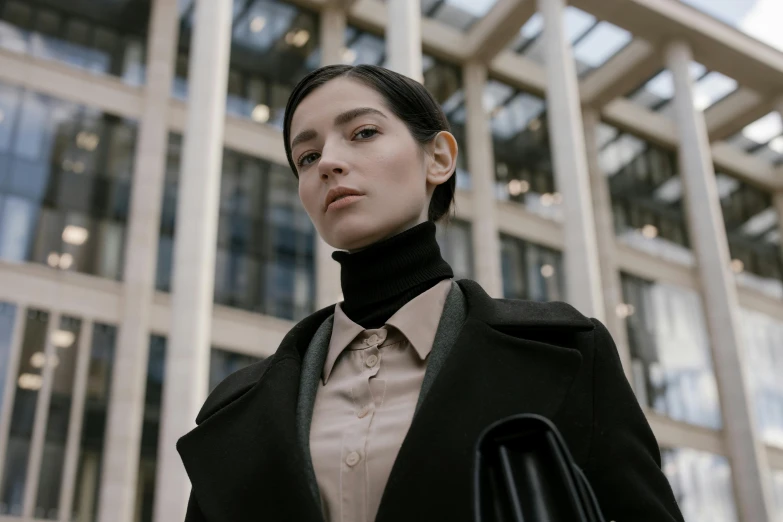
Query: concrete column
(777,200)
(188,350)
(750,468)
(124,422)
(481,164)
(583,277)
(327,270)
(607,251)
(403,37)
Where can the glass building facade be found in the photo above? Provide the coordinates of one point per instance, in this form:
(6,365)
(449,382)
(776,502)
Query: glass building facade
(74,84)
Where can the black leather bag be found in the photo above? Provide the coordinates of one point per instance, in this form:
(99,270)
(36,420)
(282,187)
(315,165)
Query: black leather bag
(523,472)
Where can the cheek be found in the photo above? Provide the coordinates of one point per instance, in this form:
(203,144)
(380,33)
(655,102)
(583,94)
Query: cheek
(308,194)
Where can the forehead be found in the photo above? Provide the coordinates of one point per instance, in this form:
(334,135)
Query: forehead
(333,98)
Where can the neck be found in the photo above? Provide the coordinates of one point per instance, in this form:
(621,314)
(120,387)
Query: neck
(378,280)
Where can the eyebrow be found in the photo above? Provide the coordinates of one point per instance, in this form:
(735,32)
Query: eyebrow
(340,119)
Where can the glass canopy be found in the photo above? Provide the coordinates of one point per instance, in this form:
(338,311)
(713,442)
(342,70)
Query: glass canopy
(594,42)
(709,87)
(762,138)
(460,14)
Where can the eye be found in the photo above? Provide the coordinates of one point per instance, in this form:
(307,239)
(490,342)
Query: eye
(307,159)
(366,133)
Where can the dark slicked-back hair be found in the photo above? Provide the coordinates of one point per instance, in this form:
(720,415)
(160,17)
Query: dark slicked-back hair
(407,99)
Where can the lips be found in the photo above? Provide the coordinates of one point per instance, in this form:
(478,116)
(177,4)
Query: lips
(339,192)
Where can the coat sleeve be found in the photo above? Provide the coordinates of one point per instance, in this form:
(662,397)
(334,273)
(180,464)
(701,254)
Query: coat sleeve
(624,464)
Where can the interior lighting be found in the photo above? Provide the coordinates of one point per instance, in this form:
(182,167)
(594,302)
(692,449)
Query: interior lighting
(63,338)
(257,24)
(30,381)
(650,231)
(75,235)
(737,266)
(547,271)
(260,113)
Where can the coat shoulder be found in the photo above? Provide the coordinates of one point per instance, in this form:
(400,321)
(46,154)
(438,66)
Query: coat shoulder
(232,387)
(521,313)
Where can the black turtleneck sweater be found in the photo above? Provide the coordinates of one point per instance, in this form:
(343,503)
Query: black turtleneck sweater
(380,279)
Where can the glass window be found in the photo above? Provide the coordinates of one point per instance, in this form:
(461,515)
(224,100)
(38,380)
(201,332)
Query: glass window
(763,343)
(66,350)
(29,379)
(7,318)
(647,194)
(531,271)
(593,42)
(265,258)
(223,363)
(65,175)
(670,352)
(456,247)
(273,45)
(701,483)
(362,48)
(96,403)
(148,459)
(753,234)
(101,36)
(520,140)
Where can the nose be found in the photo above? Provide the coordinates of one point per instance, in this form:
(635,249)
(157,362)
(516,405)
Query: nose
(331,162)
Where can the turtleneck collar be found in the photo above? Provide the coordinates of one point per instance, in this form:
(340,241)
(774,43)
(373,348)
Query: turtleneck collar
(378,280)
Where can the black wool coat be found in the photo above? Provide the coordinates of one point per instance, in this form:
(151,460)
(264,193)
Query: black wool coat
(246,461)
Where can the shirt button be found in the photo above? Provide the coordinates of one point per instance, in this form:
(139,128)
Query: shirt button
(352,459)
(373,339)
(371,361)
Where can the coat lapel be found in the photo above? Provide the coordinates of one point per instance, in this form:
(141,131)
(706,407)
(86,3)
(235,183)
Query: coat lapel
(245,459)
(499,366)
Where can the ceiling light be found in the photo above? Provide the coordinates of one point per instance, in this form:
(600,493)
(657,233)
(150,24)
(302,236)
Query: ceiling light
(547,271)
(78,167)
(557,198)
(257,24)
(75,235)
(624,310)
(650,231)
(260,113)
(30,381)
(547,199)
(53,259)
(63,338)
(776,144)
(737,266)
(66,260)
(67,164)
(534,124)
(87,140)
(297,38)
(38,360)
(349,56)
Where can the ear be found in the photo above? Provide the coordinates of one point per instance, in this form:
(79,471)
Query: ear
(443,152)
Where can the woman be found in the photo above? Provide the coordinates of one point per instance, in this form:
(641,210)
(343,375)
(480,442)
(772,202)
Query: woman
(370,409)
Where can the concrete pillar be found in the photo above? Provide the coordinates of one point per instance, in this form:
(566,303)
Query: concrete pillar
(327,270)
(583,278)
(188,350)
(481,164)
(403,37)
(607,251)
(750,468)
(777,200)
(124,422)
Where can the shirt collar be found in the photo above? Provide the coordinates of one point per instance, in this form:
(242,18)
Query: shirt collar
(417,320)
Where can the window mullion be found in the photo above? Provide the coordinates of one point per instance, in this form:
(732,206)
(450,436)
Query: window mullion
(7,405)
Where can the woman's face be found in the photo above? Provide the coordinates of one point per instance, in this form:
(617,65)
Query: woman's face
(344,136)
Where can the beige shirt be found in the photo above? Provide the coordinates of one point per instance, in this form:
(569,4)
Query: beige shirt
(364,406)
